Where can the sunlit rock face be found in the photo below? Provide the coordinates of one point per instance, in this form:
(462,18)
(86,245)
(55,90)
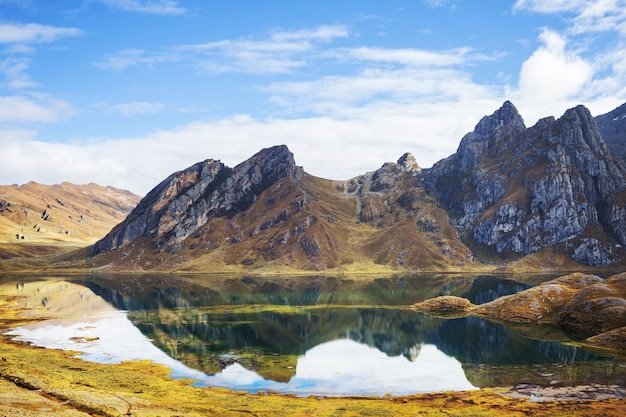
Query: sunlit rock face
(519,190)
(542,303)
(184,201)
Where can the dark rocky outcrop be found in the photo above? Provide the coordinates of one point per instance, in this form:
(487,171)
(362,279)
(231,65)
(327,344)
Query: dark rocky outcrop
(519,190)
(612,126)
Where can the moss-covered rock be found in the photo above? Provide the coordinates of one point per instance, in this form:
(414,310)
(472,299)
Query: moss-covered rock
(446,306)
(597,308)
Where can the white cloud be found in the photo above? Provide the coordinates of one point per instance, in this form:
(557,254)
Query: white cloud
(583,63)
(400,100)
(552,72)
(283,52)
(20,38)
(442,3)
(343,96)
(584,16)
(14,69)
(162,7)
(338,126)
(34,33)
(132,108)
(127,58)
(324,33)
(553,79)
(250,57)
(336,146)
(553,6)
(412,57)
(33,108)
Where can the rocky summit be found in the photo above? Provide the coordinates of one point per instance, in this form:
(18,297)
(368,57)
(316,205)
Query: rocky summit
(518,190)
(508,192)
(186,200)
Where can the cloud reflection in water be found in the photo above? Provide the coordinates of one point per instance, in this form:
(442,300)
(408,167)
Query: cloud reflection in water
(345,367)
(340,367)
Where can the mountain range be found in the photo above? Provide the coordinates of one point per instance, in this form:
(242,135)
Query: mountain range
(549,196)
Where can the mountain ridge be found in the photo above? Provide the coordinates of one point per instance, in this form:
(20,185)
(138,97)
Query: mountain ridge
(508,192)
(547,196)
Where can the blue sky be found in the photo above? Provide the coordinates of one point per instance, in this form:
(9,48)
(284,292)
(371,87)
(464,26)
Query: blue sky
(125,92)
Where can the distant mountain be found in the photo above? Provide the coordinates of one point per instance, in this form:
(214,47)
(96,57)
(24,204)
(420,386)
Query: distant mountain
(39,219)
(612,126)
(508,192)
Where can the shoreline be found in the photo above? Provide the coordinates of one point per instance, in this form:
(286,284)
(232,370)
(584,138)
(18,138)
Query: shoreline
(40,382)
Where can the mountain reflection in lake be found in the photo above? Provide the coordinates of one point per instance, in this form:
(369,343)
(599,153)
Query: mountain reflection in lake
(306,335)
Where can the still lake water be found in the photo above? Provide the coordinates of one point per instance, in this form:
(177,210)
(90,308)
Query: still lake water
(305,335)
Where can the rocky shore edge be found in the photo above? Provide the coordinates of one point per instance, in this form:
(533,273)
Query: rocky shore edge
(588,309)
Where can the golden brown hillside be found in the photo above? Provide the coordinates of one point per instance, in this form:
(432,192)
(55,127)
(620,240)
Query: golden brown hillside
(37,219)
(288,221)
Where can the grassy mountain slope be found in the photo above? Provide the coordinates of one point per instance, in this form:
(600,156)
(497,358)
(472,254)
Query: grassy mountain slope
(37,219)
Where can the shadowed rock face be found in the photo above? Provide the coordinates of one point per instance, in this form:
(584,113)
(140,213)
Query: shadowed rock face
(184,201)
(612,126)
(519,190)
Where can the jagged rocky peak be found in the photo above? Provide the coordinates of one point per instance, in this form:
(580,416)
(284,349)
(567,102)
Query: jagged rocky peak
(505,115)
(184,201)
(580,129)
(520,190)
(384,179)
(491,137)
(409,163)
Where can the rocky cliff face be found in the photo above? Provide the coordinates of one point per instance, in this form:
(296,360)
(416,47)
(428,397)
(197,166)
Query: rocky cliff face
(612,126)
(186,200)
(519,190)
